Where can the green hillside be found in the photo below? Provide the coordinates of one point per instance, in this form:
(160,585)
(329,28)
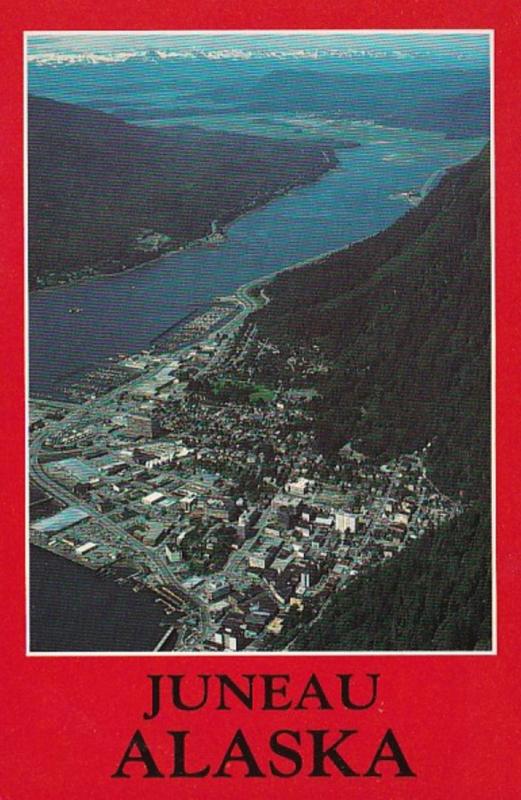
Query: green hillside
(404,318)
(435,595)
(99,186)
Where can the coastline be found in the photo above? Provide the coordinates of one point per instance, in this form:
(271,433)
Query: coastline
(433,179)
(146,606)
(201,241)
(242,292)
(308,262)
(244,289)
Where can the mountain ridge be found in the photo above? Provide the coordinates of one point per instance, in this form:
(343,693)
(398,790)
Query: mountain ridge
(96,183)
(402,319)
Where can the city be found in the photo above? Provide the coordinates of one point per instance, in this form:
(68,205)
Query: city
(179,471)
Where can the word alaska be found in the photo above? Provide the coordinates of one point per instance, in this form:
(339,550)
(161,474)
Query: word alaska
(317,752)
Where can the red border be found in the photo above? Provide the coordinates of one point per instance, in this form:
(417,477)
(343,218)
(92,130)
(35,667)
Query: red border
(67,720)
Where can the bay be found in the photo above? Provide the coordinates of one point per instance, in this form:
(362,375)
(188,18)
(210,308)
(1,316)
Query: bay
(75,610)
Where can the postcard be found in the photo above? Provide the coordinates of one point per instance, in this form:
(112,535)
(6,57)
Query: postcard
(266,295)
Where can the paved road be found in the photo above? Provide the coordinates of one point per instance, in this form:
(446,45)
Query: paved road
(88,413)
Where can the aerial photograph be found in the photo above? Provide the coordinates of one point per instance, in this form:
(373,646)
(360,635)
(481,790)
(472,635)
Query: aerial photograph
(259,290)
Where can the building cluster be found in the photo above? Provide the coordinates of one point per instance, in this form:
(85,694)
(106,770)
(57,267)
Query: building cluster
(219,497)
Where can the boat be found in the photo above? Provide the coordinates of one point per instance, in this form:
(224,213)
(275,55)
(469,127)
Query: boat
(75,310)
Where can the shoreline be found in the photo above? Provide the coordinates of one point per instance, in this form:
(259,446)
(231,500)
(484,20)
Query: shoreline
(105,572)
(192,244)
(307,262)
(244,288)
(263,280)
(165,623)
(437,176)
(434,178)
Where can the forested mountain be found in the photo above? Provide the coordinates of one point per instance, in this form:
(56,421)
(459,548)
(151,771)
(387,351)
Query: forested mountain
(96,184)
(459,116)
(435,595)
(454,101)
(404,318)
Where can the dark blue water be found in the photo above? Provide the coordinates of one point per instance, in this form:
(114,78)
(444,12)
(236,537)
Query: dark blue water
(122,314)
(73,609)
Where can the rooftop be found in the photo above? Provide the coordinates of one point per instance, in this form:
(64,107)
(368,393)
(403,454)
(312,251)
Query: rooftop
(59,522)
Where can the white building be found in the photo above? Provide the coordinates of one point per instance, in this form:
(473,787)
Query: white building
(187,502)
(345,521)
(300,487)
(152,498)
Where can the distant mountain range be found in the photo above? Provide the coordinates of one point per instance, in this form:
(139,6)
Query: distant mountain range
(98,187)
(454,101)
(158,55)
(465,114)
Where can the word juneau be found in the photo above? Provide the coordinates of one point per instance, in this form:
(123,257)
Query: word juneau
(286,752)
